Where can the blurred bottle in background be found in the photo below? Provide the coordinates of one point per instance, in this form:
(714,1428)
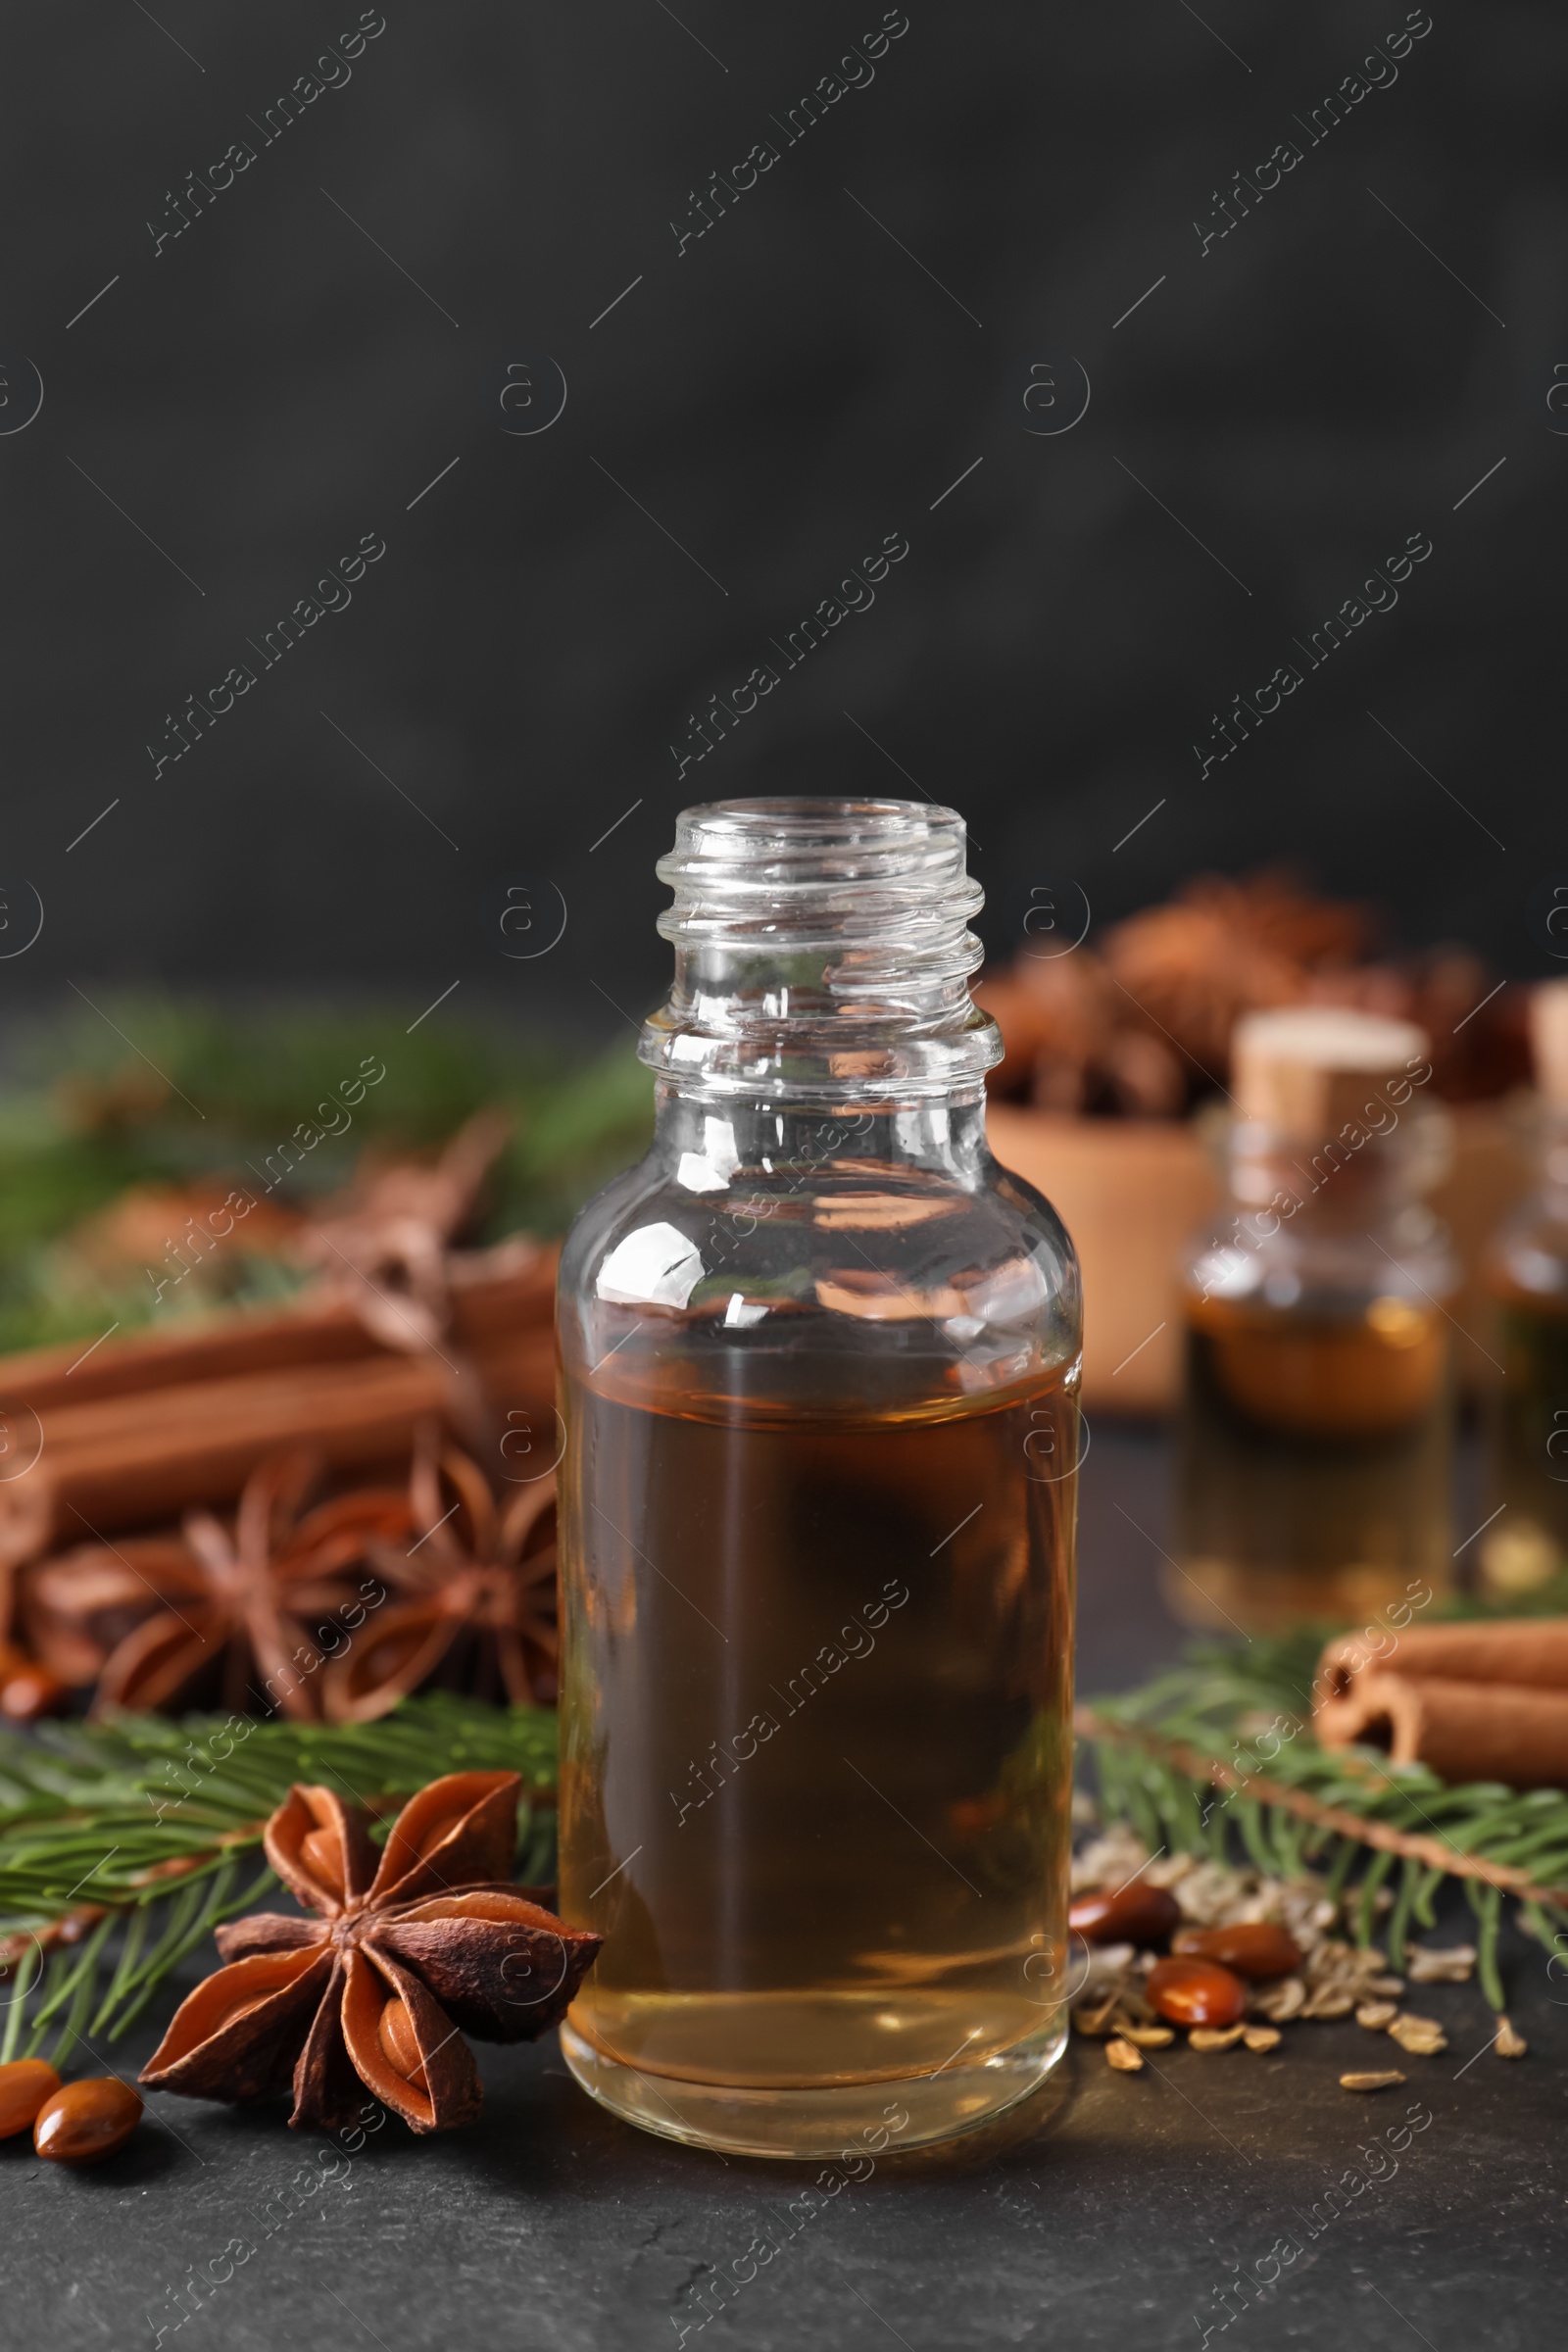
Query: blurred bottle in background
(1527,1272)
(1317,1423)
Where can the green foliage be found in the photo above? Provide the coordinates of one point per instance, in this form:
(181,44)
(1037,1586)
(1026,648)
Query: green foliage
(161,1823)
(94,1115)
(1249,1710)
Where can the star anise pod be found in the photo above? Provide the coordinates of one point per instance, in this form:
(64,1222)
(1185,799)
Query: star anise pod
(1220,949)
(475,1595)
(1190,971)
(386,1241)
(408,1952)
(223,1611)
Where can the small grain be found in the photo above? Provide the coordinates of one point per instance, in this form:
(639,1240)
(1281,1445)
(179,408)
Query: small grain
(1441,1964)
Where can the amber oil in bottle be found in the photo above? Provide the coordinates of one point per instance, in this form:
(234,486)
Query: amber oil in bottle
(820,1373)
(1316,1436)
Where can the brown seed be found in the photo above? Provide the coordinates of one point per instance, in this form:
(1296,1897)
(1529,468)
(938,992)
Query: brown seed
(1134,1914)
(1123,2057)
(86,2121)
(1194,1993)
(1262,2038)
(1148,2038)
(323,1858)
(1253,1948)
(25,2085)
(1509,2043)
(1212,2037)
(1370,2081)
(398,2040)
(1376,2016)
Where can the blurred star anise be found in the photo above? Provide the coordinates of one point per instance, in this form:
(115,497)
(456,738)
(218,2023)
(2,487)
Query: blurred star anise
(1143,1027)
(224,1615)
(384,1243)
(474,1594)
(1222,949)
(407,1953)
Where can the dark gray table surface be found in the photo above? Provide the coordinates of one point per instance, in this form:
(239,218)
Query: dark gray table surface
(1116,2214)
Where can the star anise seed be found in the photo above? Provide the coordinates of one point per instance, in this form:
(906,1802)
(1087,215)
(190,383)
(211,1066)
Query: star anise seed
(473,1596)
(409,1951)
(160,1621)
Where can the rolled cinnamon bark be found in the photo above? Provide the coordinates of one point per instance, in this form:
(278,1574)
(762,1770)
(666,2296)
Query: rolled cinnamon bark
(1465,1731)
(494,1293)
(112,1461)
(1529,1653)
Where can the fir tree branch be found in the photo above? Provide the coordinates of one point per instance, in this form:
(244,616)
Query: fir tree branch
(1239,1722)
(123,1843)
(1439,1852)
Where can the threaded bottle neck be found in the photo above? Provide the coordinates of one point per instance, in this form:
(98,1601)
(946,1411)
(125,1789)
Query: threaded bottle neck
(823,952)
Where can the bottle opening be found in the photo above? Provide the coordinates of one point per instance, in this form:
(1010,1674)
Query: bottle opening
(822,949)
(819,865)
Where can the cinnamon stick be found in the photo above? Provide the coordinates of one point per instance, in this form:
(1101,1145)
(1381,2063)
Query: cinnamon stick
(494,1292)
(1526,1653)
(175,1423)
(1465,1731)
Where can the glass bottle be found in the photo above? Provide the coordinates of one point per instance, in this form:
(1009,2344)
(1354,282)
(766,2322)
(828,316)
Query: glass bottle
(1528,1276)
(819,1365)
(1316,1434)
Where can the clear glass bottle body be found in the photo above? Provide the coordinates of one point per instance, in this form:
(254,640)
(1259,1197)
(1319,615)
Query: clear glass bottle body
(819,1374)
(1316,1439)
(1528,1404)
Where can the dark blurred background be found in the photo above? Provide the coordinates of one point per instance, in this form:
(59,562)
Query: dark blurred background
(367,334)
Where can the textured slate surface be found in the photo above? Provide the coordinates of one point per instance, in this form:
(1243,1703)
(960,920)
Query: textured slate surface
(1118,2216)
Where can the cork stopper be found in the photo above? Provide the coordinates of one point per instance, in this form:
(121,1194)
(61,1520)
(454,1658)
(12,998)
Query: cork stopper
(1308,1069)
(1548,1039)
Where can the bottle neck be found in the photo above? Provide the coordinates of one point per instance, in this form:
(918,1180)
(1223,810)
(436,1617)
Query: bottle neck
(717,1141)
(823,958)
